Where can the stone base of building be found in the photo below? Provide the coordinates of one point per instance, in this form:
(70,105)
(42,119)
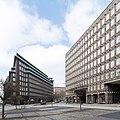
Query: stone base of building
(100,98)
(107,98)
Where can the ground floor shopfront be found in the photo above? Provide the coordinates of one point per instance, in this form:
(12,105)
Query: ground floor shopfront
(110,95)
(107,98)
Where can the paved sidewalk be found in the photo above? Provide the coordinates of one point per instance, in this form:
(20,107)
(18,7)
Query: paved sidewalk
(63,113)
(93,106)
(49,111)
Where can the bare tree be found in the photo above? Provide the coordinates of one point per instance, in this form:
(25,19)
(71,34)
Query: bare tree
(2,96)
(6,92)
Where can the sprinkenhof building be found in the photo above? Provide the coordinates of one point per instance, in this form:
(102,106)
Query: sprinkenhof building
(92,65)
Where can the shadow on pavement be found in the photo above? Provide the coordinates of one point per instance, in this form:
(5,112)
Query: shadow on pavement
(115,115)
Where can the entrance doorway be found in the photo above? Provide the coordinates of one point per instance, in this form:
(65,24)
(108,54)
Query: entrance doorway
(95,98)
(81,94)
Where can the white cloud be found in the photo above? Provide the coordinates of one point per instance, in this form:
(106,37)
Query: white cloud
(27,33)
(80,16)
(49,60)
(19,28)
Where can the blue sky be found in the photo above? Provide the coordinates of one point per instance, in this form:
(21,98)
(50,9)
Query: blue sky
(42,31)
(53,10)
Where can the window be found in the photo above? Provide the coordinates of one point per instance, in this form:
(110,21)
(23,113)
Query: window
(102,86)
(112,74)
(88,43)
(94,29)
(112,22)
(14,84)
(112,53)
(118,17)
(112,43)
(98,78)
(112,64)
(13,74)
(88,58)
(102,77)
(88,35)
(95,46)
(118,28)
(107,36)
(103,21)
(98,51)
(118,39)
(91,48)
(103,30)
(112,32)
(102,68)
(99,43)
(98,69)
(20,63)
(98,25)
(107,75)
(118,50)
(14,93)
(102,58)
(112,11)
(118,6)
(98,60)
(20,77)
(95,38)
(91,88)
(98,86)
(94,87)
(107,66)
(107,56)
(107,17)
(91,40)
(13,79)
(85,53)
(107,27)
(94,79)
(91,64)
(98,34)
(94,54)
(88,50)
(103,40)
(85,46)
(118,61)
(107,46)
(118,72)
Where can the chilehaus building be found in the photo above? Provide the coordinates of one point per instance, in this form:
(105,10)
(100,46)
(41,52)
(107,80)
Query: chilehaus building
(27,83)
(92,65)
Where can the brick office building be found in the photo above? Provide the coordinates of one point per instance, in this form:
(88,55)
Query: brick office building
(29,84)
(92,65)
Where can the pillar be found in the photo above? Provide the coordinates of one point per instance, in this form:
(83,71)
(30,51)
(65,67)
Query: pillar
(106,98)
(98,98)
(91,98)
(86,99)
